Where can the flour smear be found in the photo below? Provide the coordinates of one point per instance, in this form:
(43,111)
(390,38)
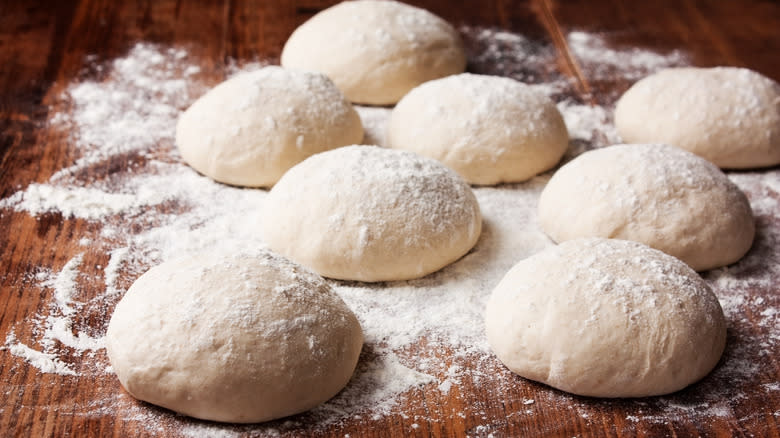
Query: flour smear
(423,337)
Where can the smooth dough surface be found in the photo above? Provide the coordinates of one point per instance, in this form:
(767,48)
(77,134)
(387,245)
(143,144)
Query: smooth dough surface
(489,129)
(728,115)
(376,51)
(240,338)
(371,214)
(248,130)
(606,318)
(659,195)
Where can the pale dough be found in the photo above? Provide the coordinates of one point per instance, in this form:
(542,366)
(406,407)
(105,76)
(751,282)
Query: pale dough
(376,51)
(659,195)
(250,129)
(489,129)
(606,318)
(237,338)
(371,214)
(728,115)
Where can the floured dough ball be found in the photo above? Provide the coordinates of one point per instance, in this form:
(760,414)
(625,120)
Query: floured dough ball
(489,129)
(240,338)
(728,115)
(606,318)
(659,195)
(250,129)
(371,214)
(376,51)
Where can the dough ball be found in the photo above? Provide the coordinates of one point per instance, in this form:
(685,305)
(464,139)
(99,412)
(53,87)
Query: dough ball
(659,195)
(606,318)
(728,115)
(240,338)
(371,214)
(489,129)
(250,129)
(376,51)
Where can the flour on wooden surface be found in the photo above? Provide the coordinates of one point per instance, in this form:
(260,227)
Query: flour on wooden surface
(45,362)
(424,338)
(600,61)
(81,202)
(498,52)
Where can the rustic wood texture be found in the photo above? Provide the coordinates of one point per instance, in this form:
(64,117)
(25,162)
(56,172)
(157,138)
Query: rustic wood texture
(43,45)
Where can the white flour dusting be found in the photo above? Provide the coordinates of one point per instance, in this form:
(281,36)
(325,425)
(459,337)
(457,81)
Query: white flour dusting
(45,362)
(118,257)
(133,111)
(81,202)
(498,52)
(423,337)
(603,62)
(64,285)
(374,123)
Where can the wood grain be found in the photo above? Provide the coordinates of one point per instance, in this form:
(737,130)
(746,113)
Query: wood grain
(43,45)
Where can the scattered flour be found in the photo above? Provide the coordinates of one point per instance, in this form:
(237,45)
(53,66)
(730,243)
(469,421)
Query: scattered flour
(423,336)
(375,384)
(603,62)
(589,124)
(131,112)
(374,120)
(46,362)
(498,52)
(113,268)
(80,202)
(64,285)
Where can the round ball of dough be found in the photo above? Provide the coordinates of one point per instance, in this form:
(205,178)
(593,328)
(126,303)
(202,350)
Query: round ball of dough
(659,195)
(606,318)
(728,115)
(250,129)
(239,338)
(376,51)
(488,128)
(371,214)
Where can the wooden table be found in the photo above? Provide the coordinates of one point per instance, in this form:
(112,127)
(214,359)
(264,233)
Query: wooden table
(43,45)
